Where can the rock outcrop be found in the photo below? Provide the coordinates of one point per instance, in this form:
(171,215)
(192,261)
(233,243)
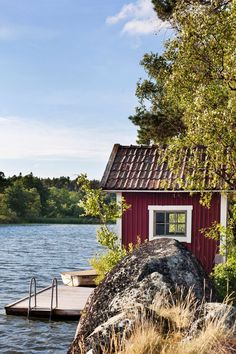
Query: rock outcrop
(120,327)
(214,311)
(155,267)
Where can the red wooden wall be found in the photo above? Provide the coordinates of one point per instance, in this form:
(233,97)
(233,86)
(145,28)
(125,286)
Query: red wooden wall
(135,220)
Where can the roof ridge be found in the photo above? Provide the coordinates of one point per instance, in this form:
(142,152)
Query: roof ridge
(139,146)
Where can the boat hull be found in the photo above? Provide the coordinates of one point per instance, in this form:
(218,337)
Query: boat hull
(79,278)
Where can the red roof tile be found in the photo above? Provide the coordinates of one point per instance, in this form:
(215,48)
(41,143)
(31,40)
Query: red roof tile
(142,168)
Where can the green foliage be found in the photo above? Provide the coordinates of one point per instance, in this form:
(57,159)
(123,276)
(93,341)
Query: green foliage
(3,182)
(188,102)
(226,235)
(189,98)
(11,218)
(104,263)
(202,82)
(33,199)
(94,203)
(164,8)
(29,181)
(107,238)
(56,220)
(19,201)
(225,278)
(224,274)
(157,116)
(63,203)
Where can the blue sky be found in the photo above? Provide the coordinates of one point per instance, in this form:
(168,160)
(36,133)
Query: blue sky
(68,73)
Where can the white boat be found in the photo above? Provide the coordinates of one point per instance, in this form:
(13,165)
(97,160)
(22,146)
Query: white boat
(79,278)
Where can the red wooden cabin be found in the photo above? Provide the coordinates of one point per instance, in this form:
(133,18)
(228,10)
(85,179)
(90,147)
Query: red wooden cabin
(135,173)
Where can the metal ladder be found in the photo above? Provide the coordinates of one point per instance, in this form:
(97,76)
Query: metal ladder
(32,281)
(54,286)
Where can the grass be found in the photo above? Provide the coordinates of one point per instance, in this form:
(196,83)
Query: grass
(63,220)
(147,338)
(47,220)
(180,311)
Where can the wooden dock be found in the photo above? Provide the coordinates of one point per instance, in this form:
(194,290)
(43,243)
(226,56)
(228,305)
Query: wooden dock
(71,302)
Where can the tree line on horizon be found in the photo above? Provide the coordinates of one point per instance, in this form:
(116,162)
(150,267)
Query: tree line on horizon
(32,199)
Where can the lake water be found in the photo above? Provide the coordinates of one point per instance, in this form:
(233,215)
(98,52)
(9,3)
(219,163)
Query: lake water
(42,251)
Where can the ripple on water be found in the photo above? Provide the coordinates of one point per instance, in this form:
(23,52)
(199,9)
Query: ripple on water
(42,251)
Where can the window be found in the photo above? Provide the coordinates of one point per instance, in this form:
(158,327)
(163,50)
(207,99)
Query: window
(172,221)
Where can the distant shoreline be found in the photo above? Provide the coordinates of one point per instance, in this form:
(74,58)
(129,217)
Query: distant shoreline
(62,221)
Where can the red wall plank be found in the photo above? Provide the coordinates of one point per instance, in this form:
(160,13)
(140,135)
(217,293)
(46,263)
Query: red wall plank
(135,220)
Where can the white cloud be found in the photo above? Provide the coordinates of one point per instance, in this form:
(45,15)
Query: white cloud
(25,139)
(16,32)
(139,18)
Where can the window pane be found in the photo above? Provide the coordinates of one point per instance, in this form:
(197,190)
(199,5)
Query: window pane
(160,229)
(181,229)
(160,217)
(170,228)
(170,222)
(181,217)
(171,217)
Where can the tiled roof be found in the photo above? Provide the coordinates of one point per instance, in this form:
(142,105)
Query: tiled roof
(140,168)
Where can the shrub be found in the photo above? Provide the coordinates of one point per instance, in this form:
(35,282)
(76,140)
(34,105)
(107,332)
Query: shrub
(8,219)
(103,263)
(224,274)
(225,278)
(95,204)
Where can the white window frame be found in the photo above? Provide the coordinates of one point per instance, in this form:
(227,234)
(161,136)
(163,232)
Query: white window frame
(185,208)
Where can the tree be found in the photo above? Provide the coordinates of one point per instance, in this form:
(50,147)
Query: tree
(58,198)
(203,84)
(166,8)
(30,181)
(96,204)
(157,116)
(24,203)
(63,203)
(3,182)
(196,81)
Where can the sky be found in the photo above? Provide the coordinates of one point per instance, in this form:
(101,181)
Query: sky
(68,72)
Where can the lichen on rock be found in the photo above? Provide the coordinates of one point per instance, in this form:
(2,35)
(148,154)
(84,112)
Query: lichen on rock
(156,267)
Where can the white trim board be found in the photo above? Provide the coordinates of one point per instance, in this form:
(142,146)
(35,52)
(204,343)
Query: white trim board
(223,218)
(223,209)
(166,191)
(119,220)
(185,208)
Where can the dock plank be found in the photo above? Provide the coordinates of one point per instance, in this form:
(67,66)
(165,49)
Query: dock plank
(71,302)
